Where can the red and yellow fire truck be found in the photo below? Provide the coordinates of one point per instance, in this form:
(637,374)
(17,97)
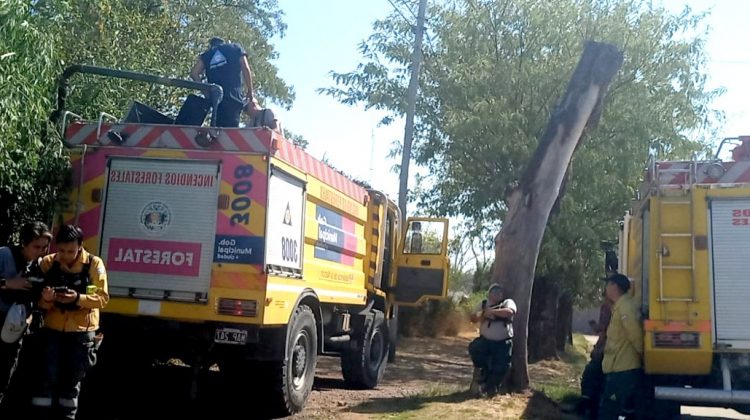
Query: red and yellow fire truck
(685,245)
(233,246)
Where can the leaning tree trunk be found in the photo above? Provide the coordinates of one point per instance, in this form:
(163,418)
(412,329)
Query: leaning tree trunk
(529,204)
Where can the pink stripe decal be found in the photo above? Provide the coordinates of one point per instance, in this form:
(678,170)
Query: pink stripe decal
(350,240)
(182,138)
(154,257)
(151,136)
(89,221)
(95,163)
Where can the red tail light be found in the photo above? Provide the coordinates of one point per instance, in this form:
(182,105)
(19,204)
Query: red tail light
(677,340)
(237,307)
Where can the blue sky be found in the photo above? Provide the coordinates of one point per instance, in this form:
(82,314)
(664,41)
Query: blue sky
(323,35)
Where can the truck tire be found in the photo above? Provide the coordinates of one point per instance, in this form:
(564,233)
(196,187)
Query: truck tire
(363,366)
(293,377)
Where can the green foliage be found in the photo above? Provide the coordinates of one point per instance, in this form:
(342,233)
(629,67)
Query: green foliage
(492,73)
(159,37)
(39,38)
(32,163)
(296,139)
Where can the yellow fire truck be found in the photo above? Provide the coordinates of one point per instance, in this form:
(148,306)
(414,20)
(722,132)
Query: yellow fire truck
(233,246)
(685,244)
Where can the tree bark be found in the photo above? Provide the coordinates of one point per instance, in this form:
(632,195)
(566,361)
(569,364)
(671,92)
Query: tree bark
(543,320)
(564,321)
(529,204)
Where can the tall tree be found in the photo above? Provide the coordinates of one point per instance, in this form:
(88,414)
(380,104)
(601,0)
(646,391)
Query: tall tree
(531,202)
(39,38)
(160,37)
(492,72)
(31,159)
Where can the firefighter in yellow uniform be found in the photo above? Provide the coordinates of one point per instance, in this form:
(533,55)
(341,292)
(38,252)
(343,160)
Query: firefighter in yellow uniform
(76,289)
(623,352)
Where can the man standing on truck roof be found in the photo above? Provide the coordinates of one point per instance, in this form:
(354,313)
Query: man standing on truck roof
(225,64)
(75,292)
(623,351)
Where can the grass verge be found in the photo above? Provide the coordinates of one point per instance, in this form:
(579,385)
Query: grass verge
(555,390)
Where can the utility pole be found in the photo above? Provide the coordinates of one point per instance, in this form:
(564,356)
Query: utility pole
(411,105)
(372,154)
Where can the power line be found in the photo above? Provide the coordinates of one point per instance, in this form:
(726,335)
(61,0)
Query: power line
(409,8)
(398,10)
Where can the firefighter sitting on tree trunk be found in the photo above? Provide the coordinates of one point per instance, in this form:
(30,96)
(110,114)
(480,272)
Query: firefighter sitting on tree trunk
(491,351)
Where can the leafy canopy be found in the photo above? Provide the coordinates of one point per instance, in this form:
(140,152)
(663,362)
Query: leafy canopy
(492,73)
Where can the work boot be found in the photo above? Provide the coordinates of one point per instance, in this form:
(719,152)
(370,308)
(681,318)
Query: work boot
(489,391)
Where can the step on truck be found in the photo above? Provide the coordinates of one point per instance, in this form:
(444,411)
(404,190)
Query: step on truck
(233,247)
(685,246)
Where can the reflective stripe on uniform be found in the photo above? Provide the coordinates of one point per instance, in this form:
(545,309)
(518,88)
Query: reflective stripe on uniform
(67,402)
(41,402)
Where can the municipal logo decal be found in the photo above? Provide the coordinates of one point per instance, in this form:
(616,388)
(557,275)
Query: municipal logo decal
(155,217)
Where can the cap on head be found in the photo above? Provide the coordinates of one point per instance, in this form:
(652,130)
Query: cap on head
(495,288)
(215,41)
(621,281)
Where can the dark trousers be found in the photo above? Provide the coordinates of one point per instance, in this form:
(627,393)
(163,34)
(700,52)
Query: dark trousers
(492,358)
(621,395)
(66,359)
(228,113)
(8,362)
(592,383)
(18,394)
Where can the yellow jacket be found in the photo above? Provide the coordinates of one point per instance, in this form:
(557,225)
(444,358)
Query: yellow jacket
(624,348)
(86,317)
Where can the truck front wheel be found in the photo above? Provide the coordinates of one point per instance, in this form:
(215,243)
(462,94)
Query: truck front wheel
(363,365)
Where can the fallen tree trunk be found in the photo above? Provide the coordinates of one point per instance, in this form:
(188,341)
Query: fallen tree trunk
(529,204)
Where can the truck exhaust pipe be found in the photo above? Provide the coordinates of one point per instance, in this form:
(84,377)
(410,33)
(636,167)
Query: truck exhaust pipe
(702,395)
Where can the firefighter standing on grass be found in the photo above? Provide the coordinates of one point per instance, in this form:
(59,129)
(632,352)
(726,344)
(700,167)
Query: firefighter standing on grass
(76,290)
(623,352)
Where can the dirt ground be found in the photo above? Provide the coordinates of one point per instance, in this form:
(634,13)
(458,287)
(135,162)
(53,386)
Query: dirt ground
(422,363)
(429,379)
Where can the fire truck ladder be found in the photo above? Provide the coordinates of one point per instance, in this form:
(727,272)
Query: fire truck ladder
(674,236)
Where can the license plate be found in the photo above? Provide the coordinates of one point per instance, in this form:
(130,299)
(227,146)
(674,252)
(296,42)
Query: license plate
(230,336)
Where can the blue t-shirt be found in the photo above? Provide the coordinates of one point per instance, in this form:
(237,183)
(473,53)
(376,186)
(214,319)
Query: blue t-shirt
(8,270)
(222,64)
